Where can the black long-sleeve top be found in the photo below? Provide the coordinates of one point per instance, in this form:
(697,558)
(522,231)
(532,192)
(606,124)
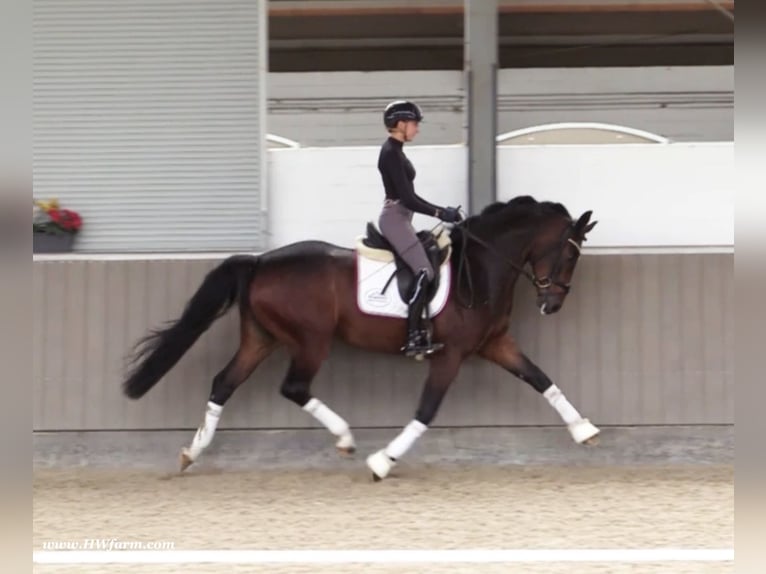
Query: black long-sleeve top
(398,174)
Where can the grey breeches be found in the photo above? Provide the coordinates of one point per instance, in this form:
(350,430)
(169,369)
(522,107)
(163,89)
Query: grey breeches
(395,223)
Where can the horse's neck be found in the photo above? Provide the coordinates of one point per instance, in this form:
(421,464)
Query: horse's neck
(514,245)
(511,247)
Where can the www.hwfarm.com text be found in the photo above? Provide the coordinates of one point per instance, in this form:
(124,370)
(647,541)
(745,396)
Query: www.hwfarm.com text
(106,544)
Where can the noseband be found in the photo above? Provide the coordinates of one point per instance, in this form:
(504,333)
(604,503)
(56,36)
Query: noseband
(546,282)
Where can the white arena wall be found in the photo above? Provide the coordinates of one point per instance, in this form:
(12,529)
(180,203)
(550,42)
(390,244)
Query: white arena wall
(676,195)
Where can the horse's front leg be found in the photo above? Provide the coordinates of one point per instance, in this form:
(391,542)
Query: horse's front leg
(442,372)
(504,352)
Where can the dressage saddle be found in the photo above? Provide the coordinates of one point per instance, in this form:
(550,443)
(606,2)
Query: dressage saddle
(405,277)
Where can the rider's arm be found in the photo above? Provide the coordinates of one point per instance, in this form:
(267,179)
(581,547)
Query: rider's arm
(394,166)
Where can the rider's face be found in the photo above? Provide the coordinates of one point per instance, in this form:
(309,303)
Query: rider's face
(410,130)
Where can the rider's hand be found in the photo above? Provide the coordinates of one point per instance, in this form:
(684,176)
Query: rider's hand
(450,215)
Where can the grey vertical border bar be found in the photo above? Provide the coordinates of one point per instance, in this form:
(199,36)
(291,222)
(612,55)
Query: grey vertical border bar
(263,113)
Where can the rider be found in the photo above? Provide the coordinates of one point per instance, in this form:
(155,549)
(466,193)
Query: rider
(401,119)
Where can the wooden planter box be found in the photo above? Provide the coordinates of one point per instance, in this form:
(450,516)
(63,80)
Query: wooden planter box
(52,243)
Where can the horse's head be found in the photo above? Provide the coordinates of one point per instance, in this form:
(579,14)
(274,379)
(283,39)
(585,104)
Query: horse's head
(526,231)
(553,257)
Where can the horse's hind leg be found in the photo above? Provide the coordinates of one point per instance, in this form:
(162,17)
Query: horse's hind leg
(296,387)
(255,347)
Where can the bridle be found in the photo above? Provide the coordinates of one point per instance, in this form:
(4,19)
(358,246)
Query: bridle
(545,282)
(540,283)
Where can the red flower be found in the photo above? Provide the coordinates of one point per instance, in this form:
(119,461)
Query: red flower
(66,219)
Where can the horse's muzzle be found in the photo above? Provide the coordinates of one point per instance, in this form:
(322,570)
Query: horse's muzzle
(549,303)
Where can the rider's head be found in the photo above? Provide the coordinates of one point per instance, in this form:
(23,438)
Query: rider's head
(401,119)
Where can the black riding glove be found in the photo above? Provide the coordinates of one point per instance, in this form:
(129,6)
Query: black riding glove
(450,215)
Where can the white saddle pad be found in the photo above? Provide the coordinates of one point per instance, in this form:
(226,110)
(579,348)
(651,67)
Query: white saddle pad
(372,276)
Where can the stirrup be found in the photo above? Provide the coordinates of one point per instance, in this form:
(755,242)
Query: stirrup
(421,346)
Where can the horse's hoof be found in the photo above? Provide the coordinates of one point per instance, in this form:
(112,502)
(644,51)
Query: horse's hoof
(345,444)
(186,460)
(380,465)
(346,450)
(583,431)
(593,441)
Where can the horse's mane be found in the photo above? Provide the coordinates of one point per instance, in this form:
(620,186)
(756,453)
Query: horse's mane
(516,211)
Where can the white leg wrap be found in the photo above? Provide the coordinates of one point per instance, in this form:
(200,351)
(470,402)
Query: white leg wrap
(380,464)
(402,443)
(205,433)
(332,421)
(559,402)
(383,461)
(581,429)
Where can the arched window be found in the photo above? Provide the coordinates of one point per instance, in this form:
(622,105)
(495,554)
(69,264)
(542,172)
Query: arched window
(274,141)
(573,133)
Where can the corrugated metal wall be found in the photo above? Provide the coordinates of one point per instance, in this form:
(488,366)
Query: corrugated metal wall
(643,339)
(149,120)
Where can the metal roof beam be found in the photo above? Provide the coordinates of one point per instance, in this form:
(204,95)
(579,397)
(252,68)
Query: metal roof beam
(456,41)
(357,7)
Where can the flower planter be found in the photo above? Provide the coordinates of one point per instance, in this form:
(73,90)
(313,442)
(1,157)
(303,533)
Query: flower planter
(52,242)
(53,228)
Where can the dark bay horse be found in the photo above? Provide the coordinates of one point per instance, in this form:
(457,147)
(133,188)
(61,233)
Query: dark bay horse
(303,296)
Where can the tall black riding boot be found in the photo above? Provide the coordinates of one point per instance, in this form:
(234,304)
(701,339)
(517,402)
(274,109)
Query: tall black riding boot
(419,341)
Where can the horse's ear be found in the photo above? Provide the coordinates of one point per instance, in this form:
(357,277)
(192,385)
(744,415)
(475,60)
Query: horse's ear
(582,227)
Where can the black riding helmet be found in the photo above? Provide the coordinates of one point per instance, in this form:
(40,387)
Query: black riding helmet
(401,110)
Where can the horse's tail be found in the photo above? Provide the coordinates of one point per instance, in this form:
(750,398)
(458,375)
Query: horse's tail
(155,354)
